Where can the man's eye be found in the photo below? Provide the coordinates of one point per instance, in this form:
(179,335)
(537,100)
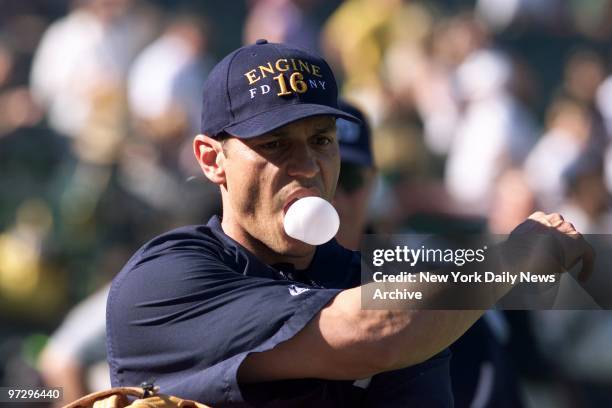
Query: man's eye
(274,144)
(323,140)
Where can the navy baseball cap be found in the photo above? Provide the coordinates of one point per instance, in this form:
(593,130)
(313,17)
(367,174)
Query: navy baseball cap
(263,86)
(354,138)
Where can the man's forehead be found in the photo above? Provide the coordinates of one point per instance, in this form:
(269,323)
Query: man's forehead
(313,124)
(316,123)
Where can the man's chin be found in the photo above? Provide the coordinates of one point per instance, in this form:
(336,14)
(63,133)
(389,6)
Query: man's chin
(295,248)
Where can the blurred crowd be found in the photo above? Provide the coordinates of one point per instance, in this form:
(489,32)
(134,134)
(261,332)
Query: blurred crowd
(481,112)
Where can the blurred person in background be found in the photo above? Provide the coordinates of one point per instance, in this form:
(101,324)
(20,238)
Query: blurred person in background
(427,65)
(74,357)
(32,280)
(501,15)
(78,76)
(354,40)
(282,21)
(603,104)
(511,200)
(583,336)
(587,197)
(357,177)
(82,61)
(484,368)
(18,107)
(568,128)
(584,72)
(164,87)
(481,372)
(495,131)
(165,78)
(358,55)
(567,173)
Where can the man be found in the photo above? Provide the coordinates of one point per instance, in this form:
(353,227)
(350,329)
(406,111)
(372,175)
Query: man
(357,177)
(480,369)
(235,312)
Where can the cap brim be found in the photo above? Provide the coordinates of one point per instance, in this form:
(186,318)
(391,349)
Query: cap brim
(267,121)
(355,156)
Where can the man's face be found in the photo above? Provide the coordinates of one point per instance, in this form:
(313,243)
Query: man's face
(266,174)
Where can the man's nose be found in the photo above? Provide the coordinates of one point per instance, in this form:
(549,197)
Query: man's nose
(303,163)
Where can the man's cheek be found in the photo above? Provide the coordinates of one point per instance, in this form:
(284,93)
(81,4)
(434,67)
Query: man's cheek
(251,199)
(244,195)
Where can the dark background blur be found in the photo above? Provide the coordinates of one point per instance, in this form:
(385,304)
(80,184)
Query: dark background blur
(482,111)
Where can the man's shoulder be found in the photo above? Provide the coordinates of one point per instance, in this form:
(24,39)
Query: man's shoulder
(189,236)
(191,244)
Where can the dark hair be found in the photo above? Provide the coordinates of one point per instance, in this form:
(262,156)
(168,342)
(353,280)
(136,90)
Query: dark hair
(223,136)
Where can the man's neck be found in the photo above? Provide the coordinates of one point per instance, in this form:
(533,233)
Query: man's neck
(261,250)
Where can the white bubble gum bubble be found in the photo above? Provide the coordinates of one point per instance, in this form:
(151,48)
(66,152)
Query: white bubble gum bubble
(312,220)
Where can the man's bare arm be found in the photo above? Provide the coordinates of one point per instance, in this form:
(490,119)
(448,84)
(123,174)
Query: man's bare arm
(343,341)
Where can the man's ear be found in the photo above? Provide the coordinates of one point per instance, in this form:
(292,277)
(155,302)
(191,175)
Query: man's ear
(209,154)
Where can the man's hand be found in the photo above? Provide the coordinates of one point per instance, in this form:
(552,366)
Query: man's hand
(571,245)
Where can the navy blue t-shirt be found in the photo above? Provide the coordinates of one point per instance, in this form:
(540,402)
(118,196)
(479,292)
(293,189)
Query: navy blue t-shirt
(191,304)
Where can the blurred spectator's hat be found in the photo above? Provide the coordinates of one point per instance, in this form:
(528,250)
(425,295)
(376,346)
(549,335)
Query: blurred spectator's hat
(354,138)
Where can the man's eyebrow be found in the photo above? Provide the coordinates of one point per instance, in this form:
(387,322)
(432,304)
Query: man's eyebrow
(273,135)
(325,128)
(277,133)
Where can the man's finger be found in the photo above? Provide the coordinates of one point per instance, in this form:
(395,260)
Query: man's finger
(568,228)
(537,215)
(555,219)
(540,217)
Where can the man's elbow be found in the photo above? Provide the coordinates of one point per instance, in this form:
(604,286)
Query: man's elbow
(373,344)
(360,342)
(397,340)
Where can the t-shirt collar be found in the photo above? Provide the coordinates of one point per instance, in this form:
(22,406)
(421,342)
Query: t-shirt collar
(325,255)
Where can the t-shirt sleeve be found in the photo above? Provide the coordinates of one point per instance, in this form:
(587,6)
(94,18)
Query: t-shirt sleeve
(187,320)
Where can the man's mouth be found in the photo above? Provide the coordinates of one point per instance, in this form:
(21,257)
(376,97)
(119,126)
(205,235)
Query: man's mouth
(298,194)
(289,204)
